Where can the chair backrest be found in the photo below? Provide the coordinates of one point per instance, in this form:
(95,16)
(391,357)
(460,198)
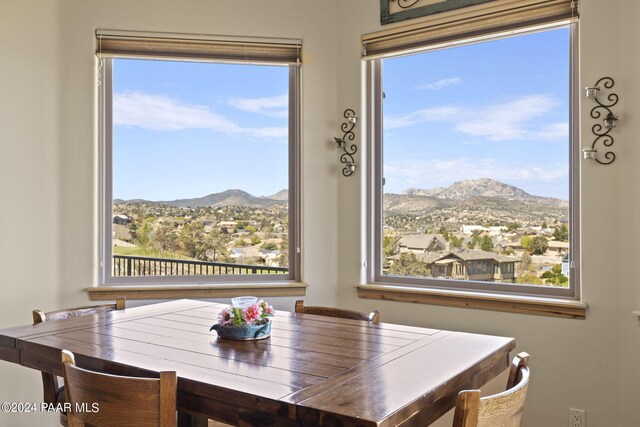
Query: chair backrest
(503,409)
(98,399)
(50,382)
(39,316)
(373,317)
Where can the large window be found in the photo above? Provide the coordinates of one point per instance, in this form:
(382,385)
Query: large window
(474,184)
(200,161)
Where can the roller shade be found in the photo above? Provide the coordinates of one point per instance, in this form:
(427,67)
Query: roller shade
(110,44)
(474,21)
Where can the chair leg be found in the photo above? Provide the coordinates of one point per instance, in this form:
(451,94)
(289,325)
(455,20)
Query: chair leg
(187,419)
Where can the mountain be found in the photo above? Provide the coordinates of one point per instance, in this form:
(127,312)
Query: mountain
(480,201)
(485,187)
(282,195)
(225,198)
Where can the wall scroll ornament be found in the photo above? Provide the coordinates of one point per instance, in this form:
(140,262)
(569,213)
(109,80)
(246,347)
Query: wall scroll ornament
(348,148)
(602,110)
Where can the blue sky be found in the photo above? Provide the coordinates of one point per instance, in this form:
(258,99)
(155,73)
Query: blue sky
(184,130)
(497,110)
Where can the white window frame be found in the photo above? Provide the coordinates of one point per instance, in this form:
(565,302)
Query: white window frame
(105,276)
(375,180)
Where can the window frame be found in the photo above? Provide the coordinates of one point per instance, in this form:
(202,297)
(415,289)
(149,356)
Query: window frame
(374,107)
(105,129)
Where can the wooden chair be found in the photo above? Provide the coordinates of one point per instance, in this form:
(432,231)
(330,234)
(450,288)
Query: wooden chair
(53,392)
(373,317)
(109,400)
(499,410)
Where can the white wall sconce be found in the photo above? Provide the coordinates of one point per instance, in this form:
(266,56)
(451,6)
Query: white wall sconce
(602,132)
(349,150)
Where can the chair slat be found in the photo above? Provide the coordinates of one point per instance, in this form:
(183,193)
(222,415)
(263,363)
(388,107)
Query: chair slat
(373,317)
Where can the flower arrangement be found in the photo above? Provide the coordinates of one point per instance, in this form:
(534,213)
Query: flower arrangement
(256,313)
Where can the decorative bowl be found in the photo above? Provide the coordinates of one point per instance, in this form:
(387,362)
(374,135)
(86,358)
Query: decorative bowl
(244,332)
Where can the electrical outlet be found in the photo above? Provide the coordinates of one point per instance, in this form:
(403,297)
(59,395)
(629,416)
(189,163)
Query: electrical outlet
(576,418)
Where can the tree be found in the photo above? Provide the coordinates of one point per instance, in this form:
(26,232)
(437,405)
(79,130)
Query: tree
(539,245)
(513,226)
(255,240)
(143,232)
(408,264)
(192,240)
(269,246)
(555,276)
(456,242)
(529,278)
(165,238)
(475,240)
(525,262)
(486,244)
(561,233)
(525,242)
(250,229)
(389,245)
(240,243)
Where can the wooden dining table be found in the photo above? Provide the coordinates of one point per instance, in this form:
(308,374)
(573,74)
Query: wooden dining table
(312,370)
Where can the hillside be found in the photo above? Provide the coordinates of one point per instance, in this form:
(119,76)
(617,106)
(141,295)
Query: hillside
(469,189)
(483,201)
(226,198)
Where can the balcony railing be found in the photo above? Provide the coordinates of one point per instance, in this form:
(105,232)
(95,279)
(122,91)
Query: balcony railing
(125,265)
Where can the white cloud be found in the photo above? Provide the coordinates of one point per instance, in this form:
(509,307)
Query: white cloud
(421,116)
(274,106)
(437,172)
(441,84)
(161,113)
(499,122)
(506,121)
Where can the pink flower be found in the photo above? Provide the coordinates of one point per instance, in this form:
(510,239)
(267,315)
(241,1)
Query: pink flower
(252,313)
(267,310)
(224,316)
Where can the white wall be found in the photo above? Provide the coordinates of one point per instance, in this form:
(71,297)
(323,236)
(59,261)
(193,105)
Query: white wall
(48,185)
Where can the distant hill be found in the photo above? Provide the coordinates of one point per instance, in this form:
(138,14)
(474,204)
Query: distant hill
(490,188)
(226,198)
(282,195)
(474,201)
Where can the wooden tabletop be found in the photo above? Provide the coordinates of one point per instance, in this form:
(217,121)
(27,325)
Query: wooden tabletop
(312,371)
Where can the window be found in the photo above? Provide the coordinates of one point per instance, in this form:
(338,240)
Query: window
(474,147)
(199,160)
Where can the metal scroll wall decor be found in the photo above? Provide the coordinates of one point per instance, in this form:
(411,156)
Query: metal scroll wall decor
(601,132)
(349,148)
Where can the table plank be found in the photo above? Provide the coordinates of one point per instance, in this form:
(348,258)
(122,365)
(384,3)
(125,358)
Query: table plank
(422,376)
(279,329)
(262,345)
(328,348)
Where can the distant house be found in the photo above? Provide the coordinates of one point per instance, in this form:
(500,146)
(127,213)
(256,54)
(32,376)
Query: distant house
(470,229)
(121,219)
(420,243)
(557,248)
(270,257)
(566,264)
(227,226)
(468,264)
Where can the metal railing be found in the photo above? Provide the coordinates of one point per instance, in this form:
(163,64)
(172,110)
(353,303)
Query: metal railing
(126,265)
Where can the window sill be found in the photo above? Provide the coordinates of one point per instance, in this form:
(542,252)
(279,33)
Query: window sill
(142,292)
(482,301)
